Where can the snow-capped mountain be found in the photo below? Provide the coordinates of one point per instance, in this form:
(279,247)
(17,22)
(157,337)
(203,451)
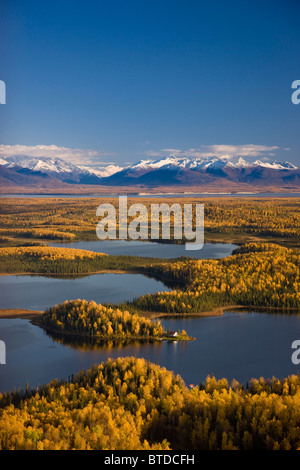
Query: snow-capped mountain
(172,170)
(59,168)
(207,163)
(3,162)
(45,165)
(169,170)
(276,165)
(101,172)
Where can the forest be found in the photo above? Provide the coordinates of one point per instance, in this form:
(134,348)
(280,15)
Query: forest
(82,317)
(131,404)
(256,274)
(226,219)
(63,261)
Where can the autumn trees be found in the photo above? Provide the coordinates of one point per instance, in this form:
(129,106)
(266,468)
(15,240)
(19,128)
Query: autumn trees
(72,219)
(130,403)
(62,261)
(257,274)
(98,321)
(133,404)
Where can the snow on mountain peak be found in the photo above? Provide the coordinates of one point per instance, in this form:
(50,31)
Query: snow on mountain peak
(276,165)
(63,169)
(101,171)
(214,162)
(3,162)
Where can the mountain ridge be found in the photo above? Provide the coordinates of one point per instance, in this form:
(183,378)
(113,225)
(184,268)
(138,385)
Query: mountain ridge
(167,171)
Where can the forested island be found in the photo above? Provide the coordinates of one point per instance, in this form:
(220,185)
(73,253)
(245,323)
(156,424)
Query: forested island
(95,321)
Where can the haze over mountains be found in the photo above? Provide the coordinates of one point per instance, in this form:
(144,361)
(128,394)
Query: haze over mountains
(182,172)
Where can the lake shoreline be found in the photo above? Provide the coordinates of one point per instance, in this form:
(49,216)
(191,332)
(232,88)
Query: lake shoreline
(35,318)
(104,271)
(217,312)
(35,314)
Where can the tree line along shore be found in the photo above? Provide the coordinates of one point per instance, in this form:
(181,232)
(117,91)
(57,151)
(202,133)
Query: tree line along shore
(256,274)
(261,275)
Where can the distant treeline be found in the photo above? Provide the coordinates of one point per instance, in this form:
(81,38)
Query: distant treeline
(69,219)
(50,260)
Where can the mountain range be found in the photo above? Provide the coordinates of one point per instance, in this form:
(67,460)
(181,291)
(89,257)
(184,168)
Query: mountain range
(223,173)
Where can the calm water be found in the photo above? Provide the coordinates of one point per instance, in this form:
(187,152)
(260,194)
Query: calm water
(149,249)
(236,345)
(39,292)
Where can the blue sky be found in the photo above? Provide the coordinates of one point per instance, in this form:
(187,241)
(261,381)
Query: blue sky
(124,80)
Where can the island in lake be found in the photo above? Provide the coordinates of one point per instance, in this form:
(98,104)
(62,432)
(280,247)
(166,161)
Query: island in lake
(89,319)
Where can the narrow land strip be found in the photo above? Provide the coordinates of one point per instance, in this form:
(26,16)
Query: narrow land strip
(19,313)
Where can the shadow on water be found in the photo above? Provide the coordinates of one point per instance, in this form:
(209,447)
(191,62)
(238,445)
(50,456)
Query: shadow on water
(88,343)
(56,276)
(157,277)
(262,310)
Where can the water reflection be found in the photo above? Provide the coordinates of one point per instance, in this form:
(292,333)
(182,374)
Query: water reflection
(39,292)
(236,345)
(151,249)
(89,343)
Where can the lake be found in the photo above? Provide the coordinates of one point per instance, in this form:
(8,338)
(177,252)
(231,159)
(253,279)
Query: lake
(151,249)
(35,292)
(235,345)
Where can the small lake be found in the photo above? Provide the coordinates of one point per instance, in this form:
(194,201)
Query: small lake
(35,292)
(151,249)
(236,345)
